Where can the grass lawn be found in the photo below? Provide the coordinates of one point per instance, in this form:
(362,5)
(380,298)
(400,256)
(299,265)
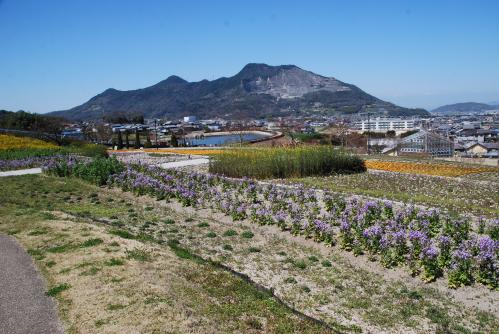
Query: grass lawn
(118,263)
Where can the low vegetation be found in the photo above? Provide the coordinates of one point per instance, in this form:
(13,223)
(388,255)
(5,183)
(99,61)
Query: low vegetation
(429,243)
(154,283)
(96,171)
(264,163)
(458,196)
(18,152)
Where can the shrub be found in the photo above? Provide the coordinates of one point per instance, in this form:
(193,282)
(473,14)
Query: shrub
(264,163)
(247,234)
(96,171)
(230,233)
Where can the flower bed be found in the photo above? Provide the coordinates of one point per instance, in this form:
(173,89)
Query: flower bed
(32,162)
(8,142)
(426,168)
(429,243)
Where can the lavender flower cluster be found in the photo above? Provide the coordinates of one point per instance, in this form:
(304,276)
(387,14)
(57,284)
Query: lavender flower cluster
(427,241)
(30,162)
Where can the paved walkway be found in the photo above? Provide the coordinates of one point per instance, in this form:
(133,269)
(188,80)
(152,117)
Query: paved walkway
(24,307)
(21,172)
(184,163)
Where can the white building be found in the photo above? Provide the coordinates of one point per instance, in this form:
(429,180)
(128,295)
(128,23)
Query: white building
(190,119)
(382,124)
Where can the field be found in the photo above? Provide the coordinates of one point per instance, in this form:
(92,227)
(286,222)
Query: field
(264,163)
(467,195)
(8,142)
(436,169)
(135,247)
(24,152)
(128,263)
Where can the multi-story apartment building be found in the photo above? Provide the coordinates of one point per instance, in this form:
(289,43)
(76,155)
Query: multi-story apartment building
(382,124)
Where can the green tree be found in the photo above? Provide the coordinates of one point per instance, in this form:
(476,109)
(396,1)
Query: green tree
(127,142)
(174,140)
(137,139)
(120,140)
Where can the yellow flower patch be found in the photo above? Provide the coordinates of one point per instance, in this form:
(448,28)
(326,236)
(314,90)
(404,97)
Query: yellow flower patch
(8,142)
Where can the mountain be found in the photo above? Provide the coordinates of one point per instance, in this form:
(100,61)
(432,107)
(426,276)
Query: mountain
(466,107)
(258,90)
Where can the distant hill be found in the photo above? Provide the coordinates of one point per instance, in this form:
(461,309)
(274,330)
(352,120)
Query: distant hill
(258,90)
(466,107)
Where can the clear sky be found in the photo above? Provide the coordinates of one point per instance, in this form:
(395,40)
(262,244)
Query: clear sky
(56,54)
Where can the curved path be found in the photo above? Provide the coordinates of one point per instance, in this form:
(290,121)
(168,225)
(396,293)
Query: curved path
(21,172)
(24,307)
(184,163)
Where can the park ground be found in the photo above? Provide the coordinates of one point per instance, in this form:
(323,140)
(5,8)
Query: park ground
(118,263)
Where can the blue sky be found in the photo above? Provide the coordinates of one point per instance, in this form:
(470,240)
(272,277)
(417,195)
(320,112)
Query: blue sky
(56,54)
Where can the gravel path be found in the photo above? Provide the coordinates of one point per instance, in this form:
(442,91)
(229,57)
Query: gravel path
(21,172)
(24,307)
(184,163)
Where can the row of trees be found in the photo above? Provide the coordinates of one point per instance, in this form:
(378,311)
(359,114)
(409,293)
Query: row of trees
(47,127)
(123,140)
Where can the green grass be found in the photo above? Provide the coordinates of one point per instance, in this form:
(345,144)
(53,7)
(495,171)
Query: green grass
(114,262)
(138,254)
(91,243)
(247,235)
(300,264)
(57,289)
(326,263)
(263,163)
(123,234)
(114,307)
(229,233)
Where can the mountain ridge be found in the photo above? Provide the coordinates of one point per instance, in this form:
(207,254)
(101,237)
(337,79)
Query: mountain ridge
(257,90)
(471,107)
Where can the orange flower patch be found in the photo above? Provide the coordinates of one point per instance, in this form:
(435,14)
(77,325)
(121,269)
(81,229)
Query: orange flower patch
(426,168)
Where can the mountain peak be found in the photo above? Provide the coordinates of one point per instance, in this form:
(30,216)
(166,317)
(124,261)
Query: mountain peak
(252,70)
(172,80)
(256,91)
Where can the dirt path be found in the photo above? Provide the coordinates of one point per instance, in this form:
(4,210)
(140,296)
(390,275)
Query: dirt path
(24,307)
